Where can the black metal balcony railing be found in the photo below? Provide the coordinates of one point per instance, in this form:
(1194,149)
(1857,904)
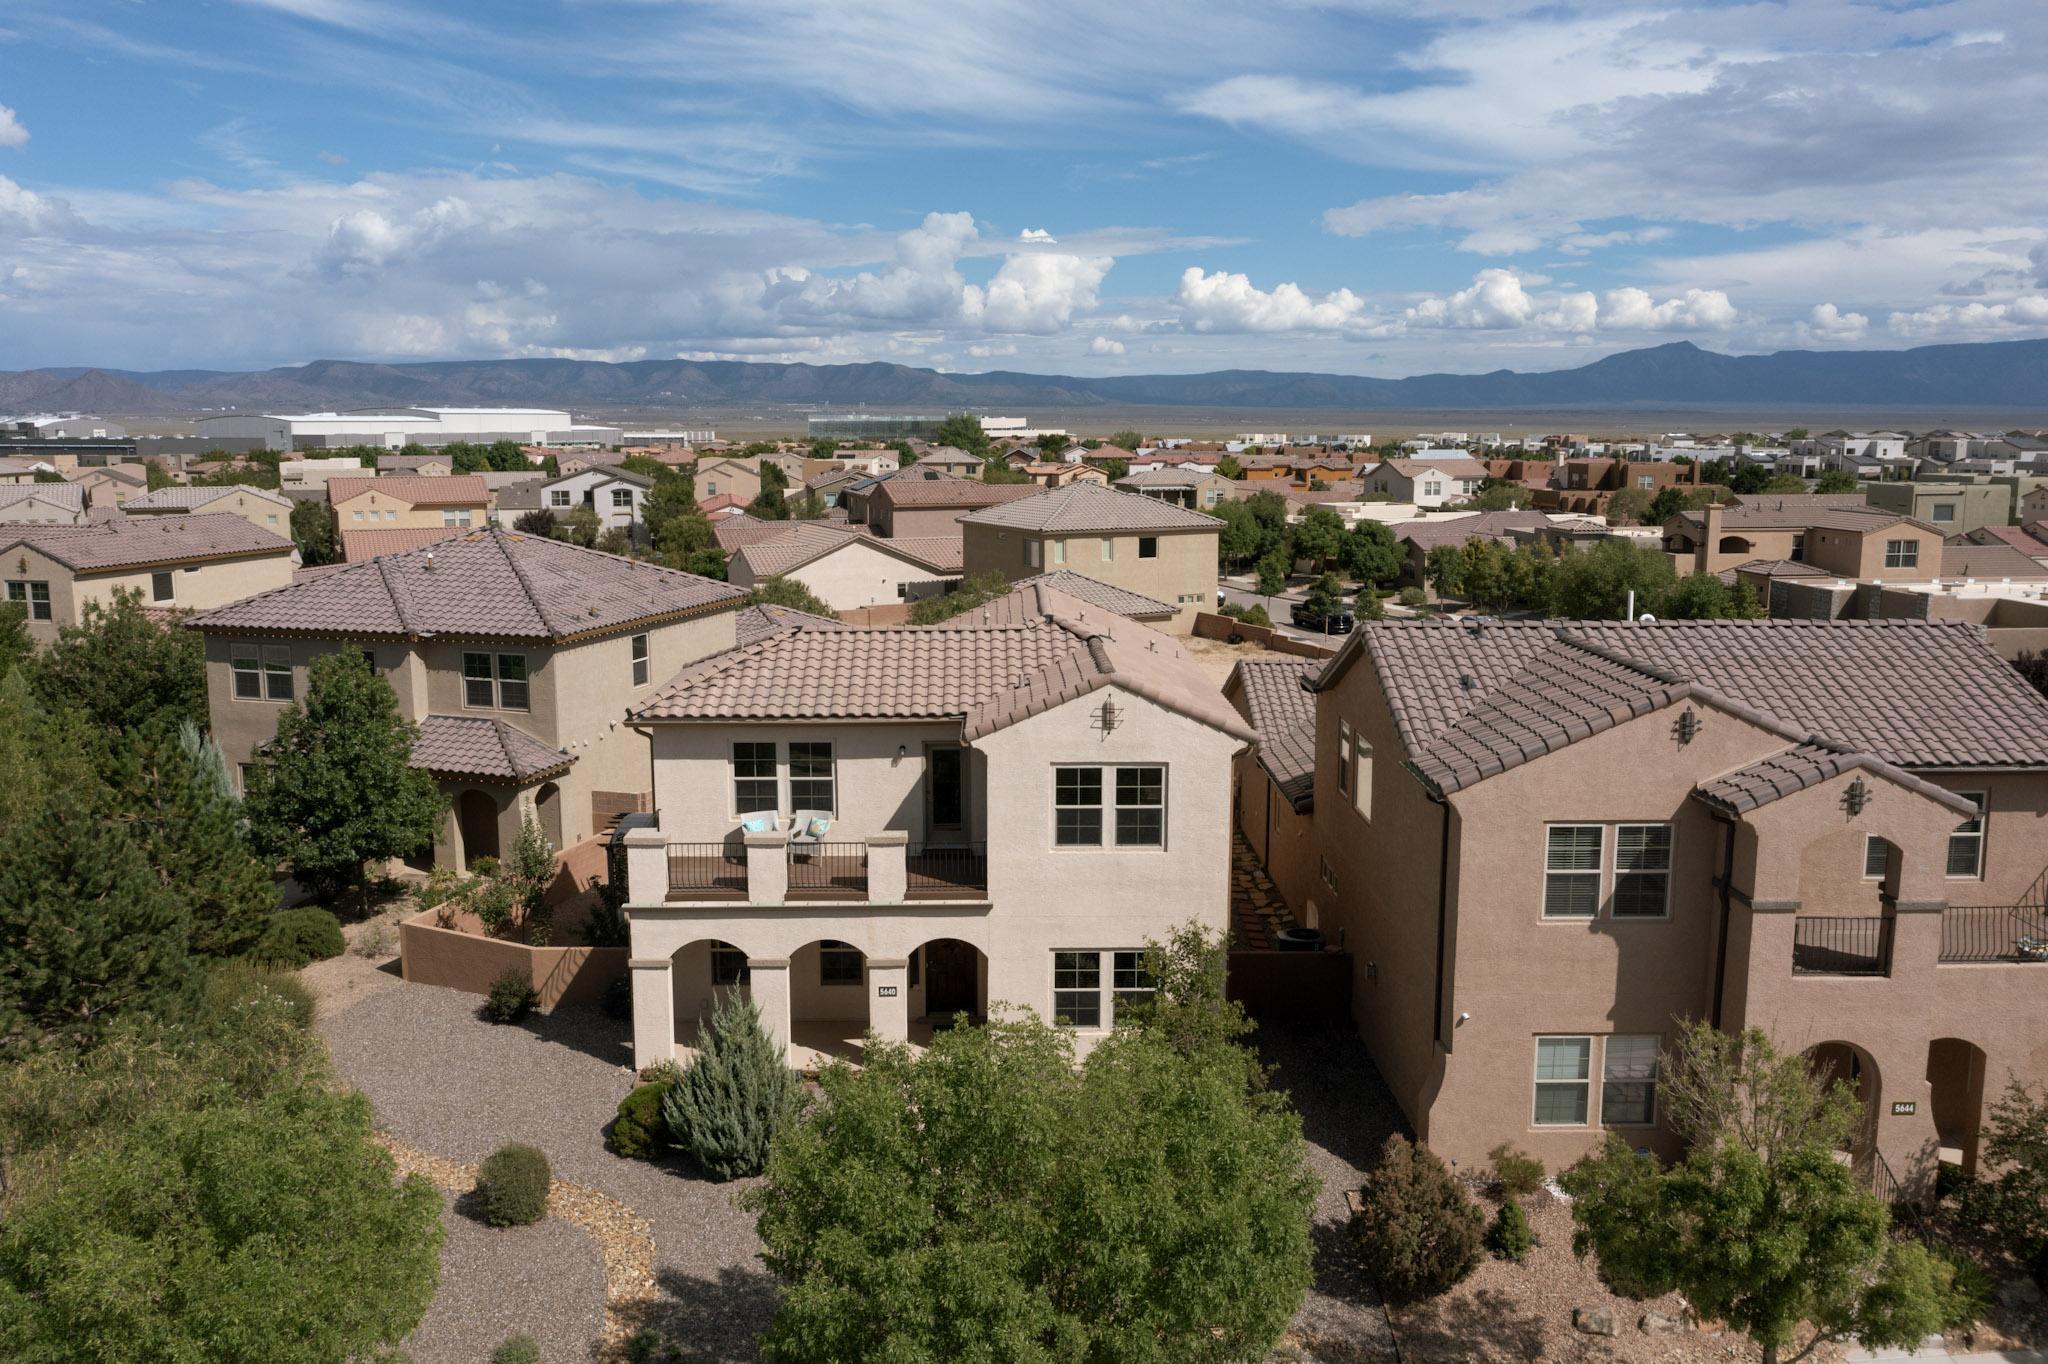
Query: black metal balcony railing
(710,869)
(828,871)
(1982,933)
(1842,945)
(951,872)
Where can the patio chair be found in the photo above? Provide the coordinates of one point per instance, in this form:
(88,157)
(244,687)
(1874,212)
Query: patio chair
(809,827)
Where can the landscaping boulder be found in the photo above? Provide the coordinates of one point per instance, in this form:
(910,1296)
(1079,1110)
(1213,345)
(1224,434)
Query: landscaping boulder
(1659,1324)
(2020,1293)
(1594,1321)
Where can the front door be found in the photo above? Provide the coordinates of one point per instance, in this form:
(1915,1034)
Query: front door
(951,968)
(945,795)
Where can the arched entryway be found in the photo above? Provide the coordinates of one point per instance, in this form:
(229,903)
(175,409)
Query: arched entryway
(828,1001)
(1734,544)
(702,975)
(1955,1093)
(547,809)
(1845,1063)
(948,978)
(476,818)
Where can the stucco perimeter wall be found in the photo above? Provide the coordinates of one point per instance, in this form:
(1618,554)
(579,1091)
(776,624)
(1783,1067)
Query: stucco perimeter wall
(431,955)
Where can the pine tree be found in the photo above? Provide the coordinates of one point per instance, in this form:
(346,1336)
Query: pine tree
(338,788)
(726,1109)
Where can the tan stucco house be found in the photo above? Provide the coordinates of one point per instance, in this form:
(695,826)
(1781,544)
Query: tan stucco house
(257,506)
(1276,783)
(1137,543)
(883,828)
(921,502)
(516,656)
(42,504)
(407,501)
(739,479)
(1839,534)
(1546,843)
(176,563)
(843,566)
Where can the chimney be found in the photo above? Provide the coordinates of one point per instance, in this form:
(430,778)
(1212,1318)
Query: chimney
(1711,518)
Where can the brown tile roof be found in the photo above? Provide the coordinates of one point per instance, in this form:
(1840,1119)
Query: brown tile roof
(940,553)
(746,529)
(411,463)
(1270,695)
(417,490)
(1991,561)
(921,487)
(1802,513)
(2028,539)
(1095,592)
(1473,699)
(752,623)
(192,499)
(1780,568)
(484,747)
(1799,501)
(68,495)
(1806,765)
(1456,530)
(1453,468)
(1090,508)
(1165,478)
(804,542)
(147,540)
(367,544)
(488,583)
(985,676)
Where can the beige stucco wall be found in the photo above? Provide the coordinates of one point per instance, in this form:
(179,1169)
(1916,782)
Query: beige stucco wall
(728,478)
(1183,574)
(857,574)
(197,587)
(271,512)
(1283,841)
(39,511)
(903,523)
(393,513)
(1854,554)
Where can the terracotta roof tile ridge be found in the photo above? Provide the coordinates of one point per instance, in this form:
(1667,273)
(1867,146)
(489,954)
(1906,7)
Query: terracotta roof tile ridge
(498,538)
(382,563)
(1566,637)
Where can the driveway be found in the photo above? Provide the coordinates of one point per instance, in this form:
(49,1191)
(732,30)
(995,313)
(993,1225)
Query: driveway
(446,1083)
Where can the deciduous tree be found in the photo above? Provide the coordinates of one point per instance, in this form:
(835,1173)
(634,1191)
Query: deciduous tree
(781,591)
(123,670)
(314,533)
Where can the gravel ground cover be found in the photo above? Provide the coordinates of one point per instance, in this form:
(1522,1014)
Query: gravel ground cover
(545,1280)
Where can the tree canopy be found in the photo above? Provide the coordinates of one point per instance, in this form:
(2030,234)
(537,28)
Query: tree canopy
(315,534)
(1126,439)
(962,431)
(781,591)
(977,590)
(123,670)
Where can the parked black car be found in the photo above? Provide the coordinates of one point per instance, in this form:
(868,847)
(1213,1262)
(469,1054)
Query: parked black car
(1336,623)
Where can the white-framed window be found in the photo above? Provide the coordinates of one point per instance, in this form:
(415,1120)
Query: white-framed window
(261,672)
(811,782)
(1642,871)
(1059,551)
(1082,796)
(1876,857)
(1344,775)
(1646,482)
(1628,1082)
(1564,1081)
(1571,871)
(1358,767)
(622,499)
(271,519)
(494,681)
(1148,546)
(1031,552)
(1077,989)
(1966,844)
(728,965)
(643,667)
(1108,549)
(451,519)
(561,497)
(1432,489)
(753,778)
(1902,554)
(1140,807)
(32,597)
(840,963)
(1077,806)
(358,517)
(1129,981)
(1327,872)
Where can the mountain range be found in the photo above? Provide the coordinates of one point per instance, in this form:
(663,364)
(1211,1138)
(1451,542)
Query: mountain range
(1995,374)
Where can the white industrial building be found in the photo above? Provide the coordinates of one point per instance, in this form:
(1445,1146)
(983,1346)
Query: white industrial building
(69,426)
(393,427)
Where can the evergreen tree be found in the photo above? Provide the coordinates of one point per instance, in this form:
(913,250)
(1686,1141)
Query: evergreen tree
(17,648)
(726,1109)
(539,521)
(155,476)
(314,532)
(337,788)
(123,670)
(780,591)
(1126,439)
(963,431)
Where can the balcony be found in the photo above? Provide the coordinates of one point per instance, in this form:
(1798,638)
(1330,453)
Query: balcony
(828,871)
(1842,945)
(951,872)
(770,869)
(1994,933)
(706,871)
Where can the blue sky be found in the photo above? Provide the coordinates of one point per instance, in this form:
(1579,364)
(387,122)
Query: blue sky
(1358,186)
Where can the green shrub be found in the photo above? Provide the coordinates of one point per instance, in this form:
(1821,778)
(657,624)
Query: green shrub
(513,1182)
(493,905)
(519,1349)
(1412,597)
(1509,1236)
(484,867)
(644,1346)
(294,937)
(1255,614)
(512,995)
(232,985)
(726,1109)
(1516,1173)
(442,883)
(1950,1181)
(1419,1233)
(1969,1293)
(639,1132)
(617,999)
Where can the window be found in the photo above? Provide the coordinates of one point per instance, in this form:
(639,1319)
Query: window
(711,488)
(277,672)
(162,586)
(728,966)
(1059,551)
(261,673)
(1571,872)
(753,778)
(1344,778)
(454,518)
(1966,844)
(1902,554)
(622,499)
(1077,989)
(1876,856)
(1432,489)
(1628,1082)
(1077,806)
(505,689)
(1355,767)
(1140,807)
(559,497)
(33,598)
(1129,981)
(1108,549)
(1327,872)
(1148,546)
(1642,871)
(358,516)
(1798,549)
(1943,511)
(839,963)
(643,668)
(1646,482)
(271,519)
(1031,552)
(370,660)
(810,776)
(1564,1067)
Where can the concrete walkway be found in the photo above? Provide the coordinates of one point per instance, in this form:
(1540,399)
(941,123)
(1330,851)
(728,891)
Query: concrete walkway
(1934,1348)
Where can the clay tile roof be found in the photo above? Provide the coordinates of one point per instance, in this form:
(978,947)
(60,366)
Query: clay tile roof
(417,490)
(56,494)
(1270,695)
(484,747)
(919,487)
(1095,592)
(1456,530)
(485,583)
(746,529)
(191,499)
(1180,477)
(1472,699)
(985,676)
(1780,568)
(1990,561)
(368,544)
(1455,468)
(148,540)
(1805,765)
(758,622)
(804,542)
(1090,508)
(2029,539)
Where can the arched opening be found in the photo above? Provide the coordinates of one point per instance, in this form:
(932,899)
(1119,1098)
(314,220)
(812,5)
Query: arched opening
(947,978)
(1734,544)
(702,975)
(547,808)
(828,1001)
(476,818)
(1846,1063)
(1955,1084)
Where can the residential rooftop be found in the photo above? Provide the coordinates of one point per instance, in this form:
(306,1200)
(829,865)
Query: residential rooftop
(418,490)
(1274,698)
(1090,508)
(146,540)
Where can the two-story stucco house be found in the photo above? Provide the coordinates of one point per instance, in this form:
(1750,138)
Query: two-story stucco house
(409,501)
(1546,843)
(615,494)
(1130,541)
(883,828)
(175,563)
(517,657)
(1838,533)
(257,506)
(42,504)
(1426,482)
(844,567)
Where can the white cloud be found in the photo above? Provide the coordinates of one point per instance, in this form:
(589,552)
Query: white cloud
(12,134)
(1494,301)
(1102,345)
(1828,323)
(987,350)
(1037,234)
(1971,319)
(1231,303)
(1631,309)
(1038,292)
